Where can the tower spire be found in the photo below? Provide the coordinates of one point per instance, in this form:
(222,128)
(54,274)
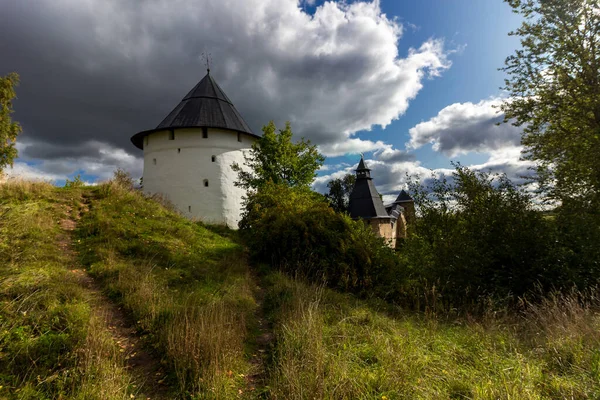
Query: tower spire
(207,59)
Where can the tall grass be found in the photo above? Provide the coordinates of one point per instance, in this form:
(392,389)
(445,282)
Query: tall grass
(101,366)
(204,344)
(17,189)
(50,343)
(333,346)
(189,289)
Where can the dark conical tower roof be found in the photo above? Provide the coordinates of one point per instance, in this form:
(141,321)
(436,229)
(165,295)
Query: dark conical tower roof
(403,197)
(205,106)
(361,165)
(365,202)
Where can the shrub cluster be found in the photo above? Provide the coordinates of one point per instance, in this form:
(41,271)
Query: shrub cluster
(479,235)
(295,229)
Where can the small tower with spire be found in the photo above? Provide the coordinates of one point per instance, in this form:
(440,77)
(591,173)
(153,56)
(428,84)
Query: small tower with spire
(188,156)
(366,204)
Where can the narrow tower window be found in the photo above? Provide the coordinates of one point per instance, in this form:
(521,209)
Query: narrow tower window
(171,135)
(154,161)
(146,141)
(239,136)
(206,183)
(213,158)
(179,150)
(189,208)
(204,133)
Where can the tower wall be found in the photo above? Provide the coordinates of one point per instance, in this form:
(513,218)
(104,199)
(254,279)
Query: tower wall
(179,168)
(384,228)
(409,211)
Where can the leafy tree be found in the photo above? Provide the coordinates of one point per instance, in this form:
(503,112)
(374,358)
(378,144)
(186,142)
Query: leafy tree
(274,157)
(554,87)
(8,129)
(479,234)
(295,229)
(339,192)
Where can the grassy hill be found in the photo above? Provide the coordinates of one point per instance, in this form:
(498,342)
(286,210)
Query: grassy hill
(107,294)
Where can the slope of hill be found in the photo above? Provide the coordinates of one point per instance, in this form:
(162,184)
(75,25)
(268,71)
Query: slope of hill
(107,294)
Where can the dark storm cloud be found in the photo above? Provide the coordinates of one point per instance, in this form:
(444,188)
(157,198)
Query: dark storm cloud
(101,70)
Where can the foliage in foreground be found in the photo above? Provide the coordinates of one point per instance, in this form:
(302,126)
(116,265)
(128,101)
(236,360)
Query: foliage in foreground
(296,230)
(478,236)
(188,288)
(8,128)
(51,343)
(330,345)
(553,83)
(191,293)
(275,158)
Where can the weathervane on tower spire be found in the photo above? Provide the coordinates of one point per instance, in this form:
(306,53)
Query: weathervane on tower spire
(207,59)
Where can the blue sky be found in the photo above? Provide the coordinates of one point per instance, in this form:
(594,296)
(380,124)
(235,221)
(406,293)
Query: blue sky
(477,30)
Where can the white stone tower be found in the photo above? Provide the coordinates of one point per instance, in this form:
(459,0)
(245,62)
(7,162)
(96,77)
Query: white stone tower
(188,157)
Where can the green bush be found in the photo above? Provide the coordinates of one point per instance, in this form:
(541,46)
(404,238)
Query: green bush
(479,235)
(577,223)
(123,179)
(295,229)
(75,183)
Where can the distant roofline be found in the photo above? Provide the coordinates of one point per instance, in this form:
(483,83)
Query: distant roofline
(138,138)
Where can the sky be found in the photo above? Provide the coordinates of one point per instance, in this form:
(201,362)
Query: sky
(413,85)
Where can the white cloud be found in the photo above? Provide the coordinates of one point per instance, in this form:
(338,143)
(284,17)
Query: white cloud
(352,146)
(101,163)
(31,172)
(507,160)
(391,177)
(465,127)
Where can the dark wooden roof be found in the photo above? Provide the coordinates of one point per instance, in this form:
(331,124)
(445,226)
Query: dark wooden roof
(362,166)
(365,201)
(403,197)
(394,210)
(205,106)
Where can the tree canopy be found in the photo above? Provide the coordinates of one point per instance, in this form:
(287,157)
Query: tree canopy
(554,86)
(479,234)
(339,192)
(274,157)
(9,129)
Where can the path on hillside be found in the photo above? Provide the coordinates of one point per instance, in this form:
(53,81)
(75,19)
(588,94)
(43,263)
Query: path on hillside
(262,342)
(145,368)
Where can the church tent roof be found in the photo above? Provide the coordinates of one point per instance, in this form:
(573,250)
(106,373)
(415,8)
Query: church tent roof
(365,201)
(362,166)
(403,197)
(205,106)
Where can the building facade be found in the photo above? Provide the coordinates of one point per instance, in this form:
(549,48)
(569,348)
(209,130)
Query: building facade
(188,156)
